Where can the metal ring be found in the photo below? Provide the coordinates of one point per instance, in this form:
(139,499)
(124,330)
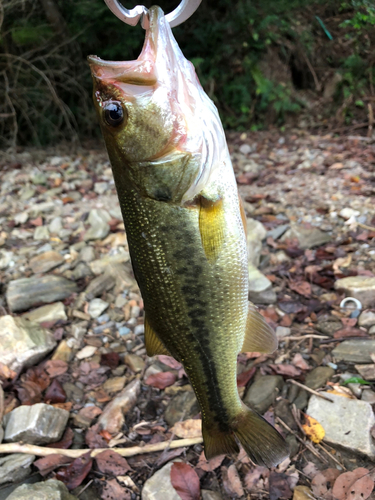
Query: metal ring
(176,17)
(351,299)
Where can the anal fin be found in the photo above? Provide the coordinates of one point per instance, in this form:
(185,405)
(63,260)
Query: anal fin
(218,442)
(259,336)
(152,342)
(211,226)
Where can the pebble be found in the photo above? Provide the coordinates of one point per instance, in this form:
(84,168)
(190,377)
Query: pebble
(134,362)
(329,325)
(50,312)
(260,287)
(63,351)
(366,318)
(307,237)
(23,343)
(367,372)
(41,233)
(98,220)
(369,396)
(256,233)
(47,490)
(36,424)
(98,285)
(100,265)
(159,485)
(81,270)
(114,384)
(73,393)
(86,352)
(24,293)
(355,351)
(372,330)
(277,231)
(211,495)
(263,392)
(352,430)
(319,376)
(55,226)
(359,287)
(46,261)
(282,331)
(100,187)
(5,258)
(97,307)
(87,254)
(182,406)
(15,468)
(348,213)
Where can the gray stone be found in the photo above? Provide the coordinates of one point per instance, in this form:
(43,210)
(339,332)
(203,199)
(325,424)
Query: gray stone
(260,287)
(24,293)
(55,225)
(372,330)
(100,187)
(211,495)
(135,362)
(301,400)
(50,312)
(15,467)
(256,232)
(347,422)
(41,233)
(277,232)
(87,254)
(100,284)
(5,258)
(182,406)
(100,265)
(366,318)
(98,220)
(263,392)
(81,271)
(73,393)
(159,485)
(36,424)
(359,287)
(307,237)
(23,343)
(47,490)
(97,307)
(369,396)
(355,351)
(46,261)
(366,371)
(282,331)
(319,376)
(329,325)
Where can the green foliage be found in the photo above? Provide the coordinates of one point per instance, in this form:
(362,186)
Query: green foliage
(364,14)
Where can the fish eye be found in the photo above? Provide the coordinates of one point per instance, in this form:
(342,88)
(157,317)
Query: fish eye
(113,113)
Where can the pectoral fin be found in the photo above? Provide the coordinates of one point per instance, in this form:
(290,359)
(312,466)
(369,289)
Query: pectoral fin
(211,226)
(152,342)
(259,336)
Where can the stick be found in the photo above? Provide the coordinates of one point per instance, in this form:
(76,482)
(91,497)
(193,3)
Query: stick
(331,456)
(309,390)
(303,337)
(365,226)
(124,452)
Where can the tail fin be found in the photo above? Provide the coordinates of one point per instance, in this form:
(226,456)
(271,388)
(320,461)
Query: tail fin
(218,442)
(260,440)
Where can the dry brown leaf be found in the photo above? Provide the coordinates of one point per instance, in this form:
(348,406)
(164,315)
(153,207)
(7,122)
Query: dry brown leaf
(232,482)
(344,482)
(299,362)
(322,483)
(189,428)
(209,465)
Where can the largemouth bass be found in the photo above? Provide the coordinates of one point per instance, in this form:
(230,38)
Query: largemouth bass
(185,229)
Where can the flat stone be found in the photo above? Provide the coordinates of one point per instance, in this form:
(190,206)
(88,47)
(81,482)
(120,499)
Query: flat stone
(359,287)
(36,424)
(55,225)
(134,362)
(100,187)
(282,331)
(159,485)
(97,307)
(348,213)
(24,293)
(98,285)
(319,376)
(51,312)
(47,490)
(100,265)
(73,393)
(367,372)
(263,392)
(277,231)
(15,467)
(41,233)
(114,384)
(366,318)
(256,233)
(307,237)
(211,495)
(372,330)
(81,270)
(182,406)
(347,422)
(260,287)
(329,325)
(368,396)
(98,219)
(64,351)
(46,261)
(86,352)
(23,343)
(5,258)
(87,254)
(355,351)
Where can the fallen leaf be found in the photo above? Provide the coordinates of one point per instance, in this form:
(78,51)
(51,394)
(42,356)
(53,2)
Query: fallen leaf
(322,483)
(299,362)
(302,493)
(301,287)
(73,475)
(244,377)
(345,392)
(279,486)
(349,332)
(189,428)
(110,462)
(287,370)
(344,482)
(310,470)
(257,479)
(361,489)
(112,490)
(185,481)
(90,412)
(93,438)
(55,367)
(209,465)
(169,361)
(161,380)
(55,393)
(313,429)
(51,462)
(232,482)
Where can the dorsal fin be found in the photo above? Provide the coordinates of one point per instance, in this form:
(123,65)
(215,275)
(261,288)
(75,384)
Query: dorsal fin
(259,336)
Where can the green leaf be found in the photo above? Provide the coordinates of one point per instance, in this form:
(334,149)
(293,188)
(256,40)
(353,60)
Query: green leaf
(356,380)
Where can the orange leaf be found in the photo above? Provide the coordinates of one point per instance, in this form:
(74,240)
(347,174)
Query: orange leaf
(313,429)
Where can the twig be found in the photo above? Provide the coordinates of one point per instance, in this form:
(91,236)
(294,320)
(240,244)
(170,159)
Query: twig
(370,119)
(340,339)
(303,337)
(124,452)
(318,86)
(309,390)
(365,226)
(331,456)
(85,487)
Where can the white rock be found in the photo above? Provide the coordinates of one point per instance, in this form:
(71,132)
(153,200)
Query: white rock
(348,213)
(346,422)
(97,307)
(159,485)
(359,287)
(15,467)
(366,318)
(282,331)
(256,232)
(260,287)
(21,218)
(41,233)
(100,265)
(46,490)
(55,225)
(86,352)
(5,258)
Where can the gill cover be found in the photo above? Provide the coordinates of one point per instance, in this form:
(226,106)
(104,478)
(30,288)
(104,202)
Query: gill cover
(187,116)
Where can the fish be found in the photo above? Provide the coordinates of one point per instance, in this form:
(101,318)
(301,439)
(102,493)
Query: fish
(185,226)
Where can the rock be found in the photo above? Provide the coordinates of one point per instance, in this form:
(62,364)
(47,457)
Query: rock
(159,485)
(256,232)
(5,258)
(25,293)
(348,213)
(100,265)
(98,219)
(97,307)
(277,231)
(55,225)
(211,495)
(329,325)
(260,287)
(51,312)
(36,424)
(15,467)
(63,352)
(301,400)
(73,393)
(182,406)
(100,187)
(114,384)
(81,270)
(347,422)
(366,318)
(282,331)
(302,493)
(359,287)
(368,396)
(86,352)
(47,490)
(98,285)
(319,376)
(23,343)
(41,233)
(307,237)
(355,351)
(87,254)
(134,362)
(263,392)
(366,371)
(372,330)
(46,261)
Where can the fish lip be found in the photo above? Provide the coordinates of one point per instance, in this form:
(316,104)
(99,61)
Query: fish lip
(95,60)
